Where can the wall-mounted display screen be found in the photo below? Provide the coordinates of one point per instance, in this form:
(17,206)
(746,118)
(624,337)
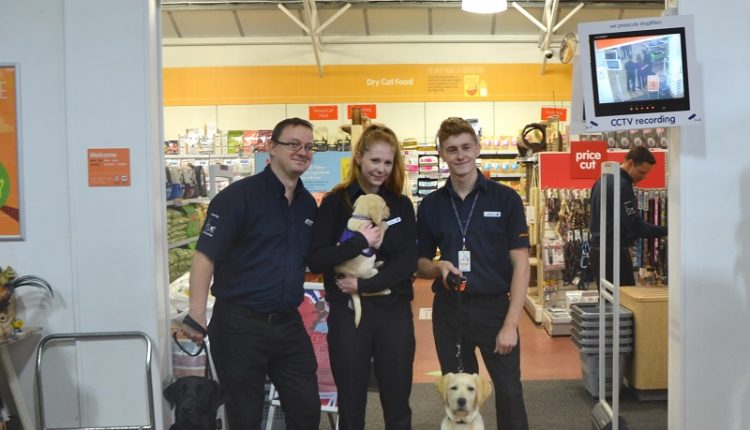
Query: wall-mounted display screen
(636,73)
(639,70)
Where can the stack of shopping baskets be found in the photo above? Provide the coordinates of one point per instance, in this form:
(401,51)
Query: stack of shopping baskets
(585,334)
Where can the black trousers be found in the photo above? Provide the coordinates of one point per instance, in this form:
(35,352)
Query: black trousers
(481,320)
(627,278)
(385,337)
(246,349)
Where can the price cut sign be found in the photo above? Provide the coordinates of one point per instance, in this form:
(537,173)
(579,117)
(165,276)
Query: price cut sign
(586,159)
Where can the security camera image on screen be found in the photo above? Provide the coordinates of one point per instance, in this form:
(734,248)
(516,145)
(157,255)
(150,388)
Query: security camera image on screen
(645,69)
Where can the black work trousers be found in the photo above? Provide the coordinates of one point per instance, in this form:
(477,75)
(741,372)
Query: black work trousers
(481,320)
(385,337)
(245,349)
(627,278)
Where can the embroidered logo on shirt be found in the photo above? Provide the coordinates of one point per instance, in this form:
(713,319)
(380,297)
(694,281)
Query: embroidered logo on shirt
(491,214)
(629,209)
(209,228)
(309,222)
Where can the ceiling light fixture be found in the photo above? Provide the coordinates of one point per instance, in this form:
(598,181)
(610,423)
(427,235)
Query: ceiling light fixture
(484,6)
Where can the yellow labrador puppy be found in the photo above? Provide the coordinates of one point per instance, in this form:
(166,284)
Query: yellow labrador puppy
(368,208)
(463,394)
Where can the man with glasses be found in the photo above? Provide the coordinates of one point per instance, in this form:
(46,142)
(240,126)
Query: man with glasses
(255,243)
(480,228)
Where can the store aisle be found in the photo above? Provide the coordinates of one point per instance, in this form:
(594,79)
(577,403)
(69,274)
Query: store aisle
(542,357)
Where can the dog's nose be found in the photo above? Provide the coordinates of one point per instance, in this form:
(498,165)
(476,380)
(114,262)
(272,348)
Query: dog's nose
(461,402)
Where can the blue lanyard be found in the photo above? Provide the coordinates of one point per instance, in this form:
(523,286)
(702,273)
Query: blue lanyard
(463,228)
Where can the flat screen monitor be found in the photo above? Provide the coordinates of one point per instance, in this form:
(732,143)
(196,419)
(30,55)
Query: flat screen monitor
(647,73)
(636,73)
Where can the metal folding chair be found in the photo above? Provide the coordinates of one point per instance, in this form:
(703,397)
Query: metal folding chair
(87,337)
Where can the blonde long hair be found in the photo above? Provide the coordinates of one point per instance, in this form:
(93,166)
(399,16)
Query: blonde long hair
(376,133)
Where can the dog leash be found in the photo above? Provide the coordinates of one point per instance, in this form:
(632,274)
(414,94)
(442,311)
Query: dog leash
(458,284)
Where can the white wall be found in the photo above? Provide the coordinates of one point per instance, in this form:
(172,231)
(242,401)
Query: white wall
(90,78)
(709,341)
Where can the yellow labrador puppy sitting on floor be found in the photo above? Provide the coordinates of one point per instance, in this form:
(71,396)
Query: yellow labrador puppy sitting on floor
(368,208)
(463,394)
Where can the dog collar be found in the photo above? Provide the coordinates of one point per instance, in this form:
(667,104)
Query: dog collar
(361,217)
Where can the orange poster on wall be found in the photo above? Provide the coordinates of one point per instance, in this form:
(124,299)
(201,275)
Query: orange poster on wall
(109,167)
(10,190)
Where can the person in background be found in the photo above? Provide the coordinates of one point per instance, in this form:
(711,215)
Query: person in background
(630,72)
(480,228)
(254,243)
(640,79)
(638,163)
(385,336)
(646,69)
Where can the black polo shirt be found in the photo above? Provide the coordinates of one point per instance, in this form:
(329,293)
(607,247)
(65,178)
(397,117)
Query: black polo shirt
(498,224)
(259,243)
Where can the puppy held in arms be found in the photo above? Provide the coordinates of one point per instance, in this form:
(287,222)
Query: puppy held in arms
(463,394)
(368,208)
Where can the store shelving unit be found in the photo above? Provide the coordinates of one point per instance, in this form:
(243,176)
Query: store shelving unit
(184,242)
(183,202)
(201,156)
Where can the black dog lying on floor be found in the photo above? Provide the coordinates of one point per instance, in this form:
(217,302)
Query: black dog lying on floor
(195,400)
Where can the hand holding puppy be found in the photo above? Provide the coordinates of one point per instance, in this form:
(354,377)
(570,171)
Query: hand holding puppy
(371,232)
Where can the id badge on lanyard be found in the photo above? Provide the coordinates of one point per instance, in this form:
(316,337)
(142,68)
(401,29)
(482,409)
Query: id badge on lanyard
(464,255)
(464,260)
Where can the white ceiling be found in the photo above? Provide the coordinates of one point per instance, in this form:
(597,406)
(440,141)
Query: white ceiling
(253,21)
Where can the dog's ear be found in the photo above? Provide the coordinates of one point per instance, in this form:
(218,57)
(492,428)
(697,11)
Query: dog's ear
(386,212)
(170,393)
(376,213)
(441,384)
(219,396)
(484,388)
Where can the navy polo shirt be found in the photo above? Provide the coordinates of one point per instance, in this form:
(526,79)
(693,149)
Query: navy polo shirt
(259,243)
(632,226)
(498,225)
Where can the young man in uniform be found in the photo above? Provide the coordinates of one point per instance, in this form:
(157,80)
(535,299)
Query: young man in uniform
(481,230)
(254,243)
(638,163)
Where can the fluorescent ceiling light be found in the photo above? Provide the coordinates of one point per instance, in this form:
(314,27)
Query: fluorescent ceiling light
(484,6)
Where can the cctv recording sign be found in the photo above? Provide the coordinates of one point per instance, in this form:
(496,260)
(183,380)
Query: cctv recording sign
(638,73)
(586,159)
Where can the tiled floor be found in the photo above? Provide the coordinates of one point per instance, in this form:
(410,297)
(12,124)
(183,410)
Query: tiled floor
(542,357)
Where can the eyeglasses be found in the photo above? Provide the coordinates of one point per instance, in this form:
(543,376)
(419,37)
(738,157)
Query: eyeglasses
(296,146)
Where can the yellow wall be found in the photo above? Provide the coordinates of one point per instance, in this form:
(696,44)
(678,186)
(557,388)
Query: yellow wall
(195,86)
